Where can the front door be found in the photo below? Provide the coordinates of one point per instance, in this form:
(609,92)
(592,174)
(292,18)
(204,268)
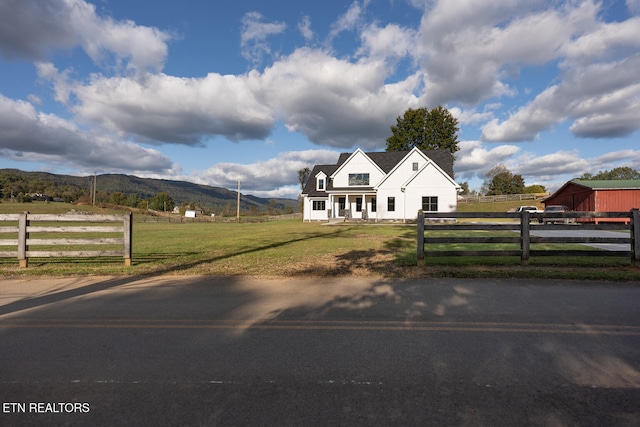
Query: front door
(342,202)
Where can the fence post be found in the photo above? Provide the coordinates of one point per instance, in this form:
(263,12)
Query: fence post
(128,228)
(635,237)
(22,240)
(420,235)
(525,237)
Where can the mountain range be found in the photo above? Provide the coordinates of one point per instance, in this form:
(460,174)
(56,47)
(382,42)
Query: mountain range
(182,192)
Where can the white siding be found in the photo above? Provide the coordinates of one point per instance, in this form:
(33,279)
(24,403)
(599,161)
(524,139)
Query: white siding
(428,181)
(311,215)
(359,163)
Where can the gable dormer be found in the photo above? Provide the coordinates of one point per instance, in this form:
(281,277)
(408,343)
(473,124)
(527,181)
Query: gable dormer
(358,170)
(413,165)
(321,182)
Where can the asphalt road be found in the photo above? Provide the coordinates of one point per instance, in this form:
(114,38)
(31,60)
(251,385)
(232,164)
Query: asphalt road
(328,351)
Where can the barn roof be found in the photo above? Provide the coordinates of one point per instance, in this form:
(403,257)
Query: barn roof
(614,184)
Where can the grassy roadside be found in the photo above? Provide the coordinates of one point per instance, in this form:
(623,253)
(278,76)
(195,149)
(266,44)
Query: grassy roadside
(293,248)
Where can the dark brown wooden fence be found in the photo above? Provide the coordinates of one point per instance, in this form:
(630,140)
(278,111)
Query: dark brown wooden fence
(31,231)
(523,223)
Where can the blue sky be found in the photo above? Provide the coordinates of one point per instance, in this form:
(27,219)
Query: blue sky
(213,92)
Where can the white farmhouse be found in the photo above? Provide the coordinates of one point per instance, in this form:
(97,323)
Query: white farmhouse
(381,186)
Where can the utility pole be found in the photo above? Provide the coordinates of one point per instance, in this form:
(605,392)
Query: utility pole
(238,204)
(95,182)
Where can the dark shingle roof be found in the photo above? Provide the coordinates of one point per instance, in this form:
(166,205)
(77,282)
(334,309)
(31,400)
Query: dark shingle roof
(310,187)
(386,160)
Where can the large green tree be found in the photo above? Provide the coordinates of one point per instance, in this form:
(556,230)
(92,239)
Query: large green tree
(426,129)
(161,202)
(303,177)
(499,180)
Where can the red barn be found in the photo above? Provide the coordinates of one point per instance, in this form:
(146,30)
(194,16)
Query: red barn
(598,196)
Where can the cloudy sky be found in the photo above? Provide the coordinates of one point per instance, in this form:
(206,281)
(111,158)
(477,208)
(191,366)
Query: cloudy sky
(213,92)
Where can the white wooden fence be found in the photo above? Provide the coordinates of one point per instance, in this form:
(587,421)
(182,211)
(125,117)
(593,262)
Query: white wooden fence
(31,231)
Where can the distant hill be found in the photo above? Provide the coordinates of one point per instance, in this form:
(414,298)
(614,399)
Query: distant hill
(210,198)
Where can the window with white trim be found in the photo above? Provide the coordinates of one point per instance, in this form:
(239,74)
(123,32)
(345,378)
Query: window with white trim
(318,205)
(430,204)
(358,179)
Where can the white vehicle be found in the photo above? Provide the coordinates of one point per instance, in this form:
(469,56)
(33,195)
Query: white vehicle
(531,209)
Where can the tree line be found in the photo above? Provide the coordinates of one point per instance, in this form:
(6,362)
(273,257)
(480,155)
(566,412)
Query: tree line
(25,187)
(18,188)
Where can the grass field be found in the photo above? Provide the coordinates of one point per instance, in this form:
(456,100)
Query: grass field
(294,248)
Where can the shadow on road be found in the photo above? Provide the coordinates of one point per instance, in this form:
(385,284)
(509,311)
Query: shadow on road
(352,350)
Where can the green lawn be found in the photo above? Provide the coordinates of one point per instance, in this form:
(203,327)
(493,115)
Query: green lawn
(294,248)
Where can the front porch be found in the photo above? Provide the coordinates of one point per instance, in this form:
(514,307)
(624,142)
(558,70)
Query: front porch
(361,206)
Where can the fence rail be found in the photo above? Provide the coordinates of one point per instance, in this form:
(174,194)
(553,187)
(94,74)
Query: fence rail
(49,233)
(501,198)
(570,221)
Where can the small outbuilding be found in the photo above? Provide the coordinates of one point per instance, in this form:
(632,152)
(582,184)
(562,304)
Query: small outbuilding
(598,196)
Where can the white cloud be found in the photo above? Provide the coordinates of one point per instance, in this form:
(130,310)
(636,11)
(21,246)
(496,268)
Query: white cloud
(391,41)
(471,116)
(34,99)
(168,109)
(550,165)
(336,102)
(254,35)
(269,178)
(629,158)
(554,169)
(601,99)
(469,53)
(304,26)
(333,102)
(633,6)
(349,21)
(528,122)
(598,88)
(28,135)
(33,29)
(62,84)
(475,160)
(603,42)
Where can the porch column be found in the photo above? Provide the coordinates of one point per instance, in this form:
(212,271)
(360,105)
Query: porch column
(347,207)
(363,212)
(331,207)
